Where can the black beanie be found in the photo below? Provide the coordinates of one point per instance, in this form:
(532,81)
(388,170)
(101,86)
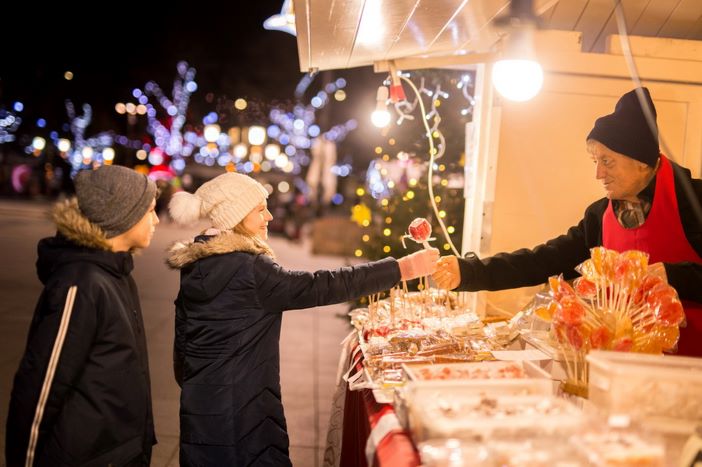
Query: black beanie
(626,131)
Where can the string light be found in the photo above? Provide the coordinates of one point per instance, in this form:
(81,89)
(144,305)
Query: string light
(171,140)
(9,122)
(84,152)
(297,129)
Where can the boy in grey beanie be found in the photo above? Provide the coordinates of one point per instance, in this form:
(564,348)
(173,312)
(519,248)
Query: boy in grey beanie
(90,403)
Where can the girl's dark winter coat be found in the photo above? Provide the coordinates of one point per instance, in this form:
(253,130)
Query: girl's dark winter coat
(99,409)
(228,315)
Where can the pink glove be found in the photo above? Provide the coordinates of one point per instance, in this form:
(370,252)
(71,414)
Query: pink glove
(420,263)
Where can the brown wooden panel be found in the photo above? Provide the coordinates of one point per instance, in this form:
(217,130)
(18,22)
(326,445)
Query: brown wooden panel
(593,20)
(654,17)
(695,32)
(566,14)
(303,33)
(682,19)
(347,33)
(333,26)
(382,25)
(632,12)
(479,17)
(433,28)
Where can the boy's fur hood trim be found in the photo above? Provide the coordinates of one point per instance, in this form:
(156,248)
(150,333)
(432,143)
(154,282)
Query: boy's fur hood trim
(181,254)
(72,224)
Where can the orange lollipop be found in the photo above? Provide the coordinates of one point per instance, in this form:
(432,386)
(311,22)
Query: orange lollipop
(585,288)
(670,311)
(600,338)
(570,311)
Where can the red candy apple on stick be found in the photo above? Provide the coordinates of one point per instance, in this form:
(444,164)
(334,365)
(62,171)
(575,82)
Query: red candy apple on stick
(420,231)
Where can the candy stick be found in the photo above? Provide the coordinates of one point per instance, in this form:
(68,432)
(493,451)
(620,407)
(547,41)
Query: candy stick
(392,308)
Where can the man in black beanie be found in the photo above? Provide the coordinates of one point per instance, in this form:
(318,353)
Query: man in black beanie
(651,205)
(81,395)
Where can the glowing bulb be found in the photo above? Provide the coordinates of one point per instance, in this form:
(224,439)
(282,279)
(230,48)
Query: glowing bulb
(240,151)
(108,154)
(38,143)
(272,151)
(64,145)
(380,116)
(212,132)
(87,153)
(518,80)
(257,135)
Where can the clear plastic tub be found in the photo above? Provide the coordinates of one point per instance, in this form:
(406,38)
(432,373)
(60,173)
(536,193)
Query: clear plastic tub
(660,388)
(472,371)
(466,415)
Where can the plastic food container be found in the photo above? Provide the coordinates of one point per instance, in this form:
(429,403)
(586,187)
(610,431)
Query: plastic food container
(466,415)
(659,388)
(471,371)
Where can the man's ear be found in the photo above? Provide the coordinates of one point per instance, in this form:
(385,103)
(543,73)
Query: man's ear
(643,167)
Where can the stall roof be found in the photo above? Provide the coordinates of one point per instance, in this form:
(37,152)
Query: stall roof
(335,34)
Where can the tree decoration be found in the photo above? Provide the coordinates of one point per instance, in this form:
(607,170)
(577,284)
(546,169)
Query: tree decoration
(169,138)
(9,122)
(295,130)
(397,189)
(85,152)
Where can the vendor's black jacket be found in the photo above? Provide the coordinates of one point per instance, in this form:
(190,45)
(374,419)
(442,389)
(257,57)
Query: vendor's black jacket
(560,255)
(227,356)
(98,412)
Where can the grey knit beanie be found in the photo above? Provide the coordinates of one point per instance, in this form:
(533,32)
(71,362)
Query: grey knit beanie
(113,197)
(225,201)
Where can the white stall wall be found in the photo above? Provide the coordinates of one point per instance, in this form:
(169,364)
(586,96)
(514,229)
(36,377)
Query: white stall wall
(544,178)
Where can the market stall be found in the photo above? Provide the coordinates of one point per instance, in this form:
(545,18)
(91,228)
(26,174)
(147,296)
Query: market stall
(433,361)
(424,381)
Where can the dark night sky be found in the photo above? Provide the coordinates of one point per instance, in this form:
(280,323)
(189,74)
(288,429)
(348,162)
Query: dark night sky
(128,43)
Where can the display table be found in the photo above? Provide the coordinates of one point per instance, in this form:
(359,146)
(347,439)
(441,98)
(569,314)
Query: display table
(372,436)
(363,432)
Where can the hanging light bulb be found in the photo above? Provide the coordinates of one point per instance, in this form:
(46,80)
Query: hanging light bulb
(518,76)
(380,116)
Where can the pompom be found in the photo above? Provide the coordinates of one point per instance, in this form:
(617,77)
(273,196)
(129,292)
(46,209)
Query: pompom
(184,208)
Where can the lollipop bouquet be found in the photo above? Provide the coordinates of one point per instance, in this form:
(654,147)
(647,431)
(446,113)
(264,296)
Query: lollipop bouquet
(614,305)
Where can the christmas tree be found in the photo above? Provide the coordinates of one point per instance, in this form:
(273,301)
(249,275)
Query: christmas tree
(396,190)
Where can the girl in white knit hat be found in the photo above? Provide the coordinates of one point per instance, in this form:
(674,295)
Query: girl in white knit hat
(228,314)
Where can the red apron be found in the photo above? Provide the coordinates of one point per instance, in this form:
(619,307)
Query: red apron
(663,238)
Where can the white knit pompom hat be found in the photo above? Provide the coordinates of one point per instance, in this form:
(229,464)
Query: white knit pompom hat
(225,201)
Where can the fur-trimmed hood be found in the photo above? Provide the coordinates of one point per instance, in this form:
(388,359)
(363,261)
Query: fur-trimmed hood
(182,254)
(78,241)
(73,225)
